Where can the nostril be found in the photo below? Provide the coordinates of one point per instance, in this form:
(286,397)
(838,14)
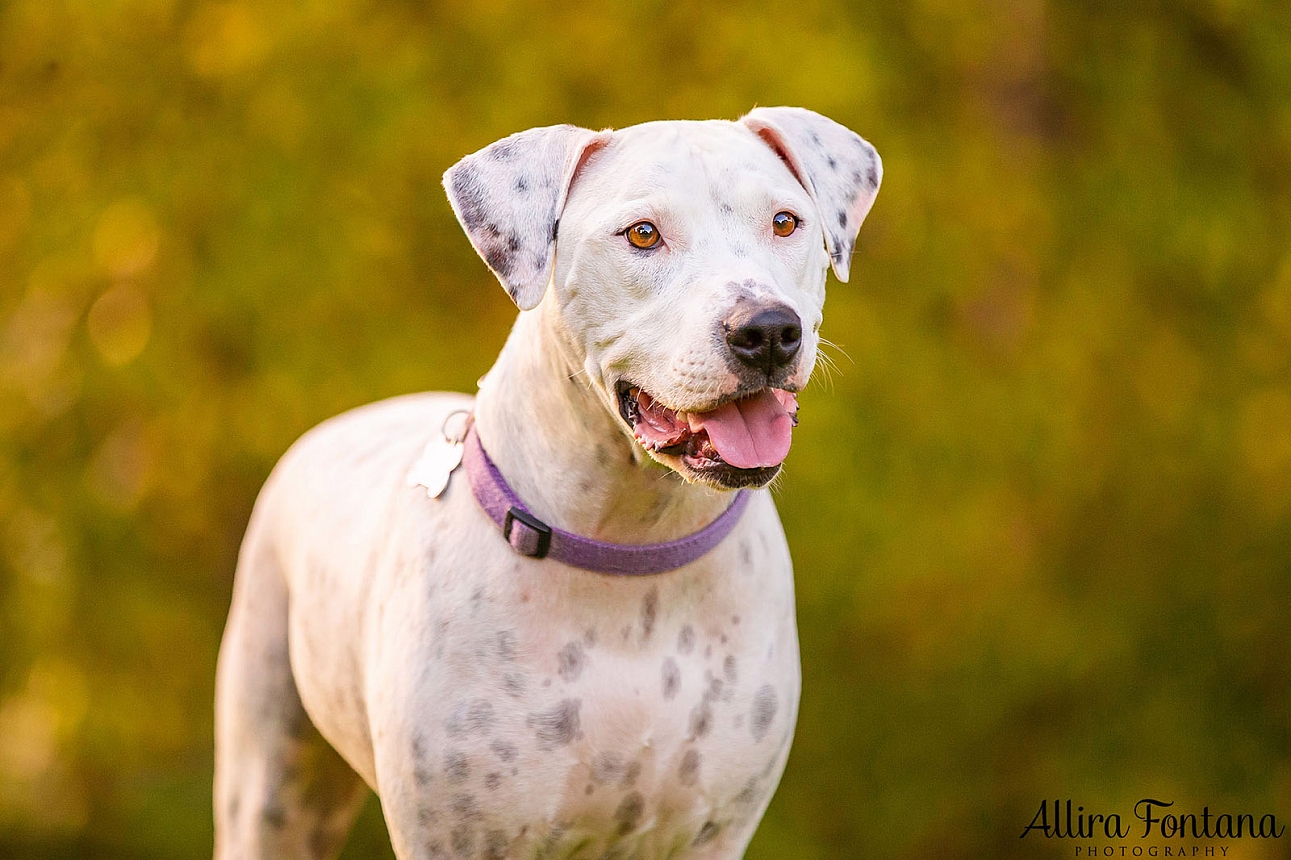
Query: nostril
(790,335)
(747,338)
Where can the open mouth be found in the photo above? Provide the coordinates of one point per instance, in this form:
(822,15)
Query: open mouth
(738,443)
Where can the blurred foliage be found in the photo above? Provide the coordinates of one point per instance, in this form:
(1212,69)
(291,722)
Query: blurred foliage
(1041,515)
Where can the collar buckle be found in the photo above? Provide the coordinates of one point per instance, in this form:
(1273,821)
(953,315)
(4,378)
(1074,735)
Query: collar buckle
(533,538)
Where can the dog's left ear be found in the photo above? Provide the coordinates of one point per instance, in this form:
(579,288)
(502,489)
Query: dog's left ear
(839,169)
(509,197)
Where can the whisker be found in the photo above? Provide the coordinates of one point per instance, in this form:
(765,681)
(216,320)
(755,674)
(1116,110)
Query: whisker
(834,346)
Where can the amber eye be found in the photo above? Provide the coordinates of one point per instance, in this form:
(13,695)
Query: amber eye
(643,235)
(784,223)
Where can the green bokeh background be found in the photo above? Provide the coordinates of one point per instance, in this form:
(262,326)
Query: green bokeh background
(1040,514)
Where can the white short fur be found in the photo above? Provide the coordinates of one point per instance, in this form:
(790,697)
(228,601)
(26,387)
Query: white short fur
(508,707)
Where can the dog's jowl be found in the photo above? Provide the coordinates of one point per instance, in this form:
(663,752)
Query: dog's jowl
(556,619)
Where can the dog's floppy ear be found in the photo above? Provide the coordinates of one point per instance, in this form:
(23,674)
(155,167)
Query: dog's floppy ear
(839,169)
(509,197)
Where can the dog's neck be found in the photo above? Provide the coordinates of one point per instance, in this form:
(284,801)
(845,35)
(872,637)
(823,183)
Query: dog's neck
(563,453)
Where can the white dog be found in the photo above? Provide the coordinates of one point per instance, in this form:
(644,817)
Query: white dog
(580,643)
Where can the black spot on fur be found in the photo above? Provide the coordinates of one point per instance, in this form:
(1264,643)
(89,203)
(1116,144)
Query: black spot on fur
(456,767)
(495,845)
(470,718)
(465,807)
(504,750)
(492,780)
(688,772)
(706,834)
(571,660)
(832,162)
(671,678)
(872,175)
(506,645)
(522,184)
(513,684)
(649,612)
(421,774)
(555,228)
(628,814)
(558,726)
(842,218)
(463,837)
(764,708)
(607,767)
(686,640)
(274,816)
(701,719)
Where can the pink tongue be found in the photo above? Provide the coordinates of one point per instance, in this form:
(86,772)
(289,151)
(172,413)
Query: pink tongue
(751,433)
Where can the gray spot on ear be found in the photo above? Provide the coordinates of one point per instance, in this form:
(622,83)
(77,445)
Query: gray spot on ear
(671,678)
(503,150)
(872,176)
(763,712)
(688,772)
(558,726)
(498,259)
(469,194)
(628,814)
(842,218)
(571,660)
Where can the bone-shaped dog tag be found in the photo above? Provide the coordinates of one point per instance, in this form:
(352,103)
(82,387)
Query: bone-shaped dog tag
(436,466)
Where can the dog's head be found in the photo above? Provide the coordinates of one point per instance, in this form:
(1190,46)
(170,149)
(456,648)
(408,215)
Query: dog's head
(687,263)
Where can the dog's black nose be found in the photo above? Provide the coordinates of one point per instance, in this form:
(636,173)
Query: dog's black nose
(764,336)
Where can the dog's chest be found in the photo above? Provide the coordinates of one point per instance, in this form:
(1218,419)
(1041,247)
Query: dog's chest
(647,718)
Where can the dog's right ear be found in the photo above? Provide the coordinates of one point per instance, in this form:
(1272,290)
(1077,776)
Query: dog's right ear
(509,197)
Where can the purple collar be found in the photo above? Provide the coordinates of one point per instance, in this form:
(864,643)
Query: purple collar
(530,536)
